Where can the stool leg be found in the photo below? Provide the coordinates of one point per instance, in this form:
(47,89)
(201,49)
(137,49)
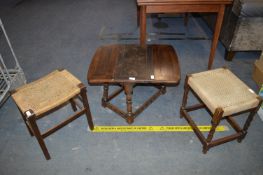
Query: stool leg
(38,136)
(73,105)
(186,91)
(128,92)
(248,122)
(105,95)
(83,93)
(215,121)
(25,121)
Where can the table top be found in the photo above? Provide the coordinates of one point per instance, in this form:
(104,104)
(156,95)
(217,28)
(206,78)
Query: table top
(132,63)
(163,2)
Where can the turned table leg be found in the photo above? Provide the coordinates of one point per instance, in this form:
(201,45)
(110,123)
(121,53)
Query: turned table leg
(128,91)
(104,99)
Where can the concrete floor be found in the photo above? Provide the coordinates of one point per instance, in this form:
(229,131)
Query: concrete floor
(48,34)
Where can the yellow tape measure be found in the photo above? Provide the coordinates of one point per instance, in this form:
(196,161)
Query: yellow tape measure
(154,128)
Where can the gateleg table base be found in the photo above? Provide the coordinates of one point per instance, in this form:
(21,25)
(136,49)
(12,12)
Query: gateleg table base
(129,115)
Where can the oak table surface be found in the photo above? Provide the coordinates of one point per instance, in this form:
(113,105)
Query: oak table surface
(129,65)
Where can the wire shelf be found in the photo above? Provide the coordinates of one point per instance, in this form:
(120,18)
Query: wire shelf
(11,76)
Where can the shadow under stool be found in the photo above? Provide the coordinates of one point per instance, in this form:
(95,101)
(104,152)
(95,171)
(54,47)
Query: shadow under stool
(224,96)
(47,94)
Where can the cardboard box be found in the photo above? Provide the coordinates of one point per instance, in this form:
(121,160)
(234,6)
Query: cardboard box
(260,111)
(258,71)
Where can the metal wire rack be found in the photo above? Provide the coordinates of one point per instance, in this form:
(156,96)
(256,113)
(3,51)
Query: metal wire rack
(11,76)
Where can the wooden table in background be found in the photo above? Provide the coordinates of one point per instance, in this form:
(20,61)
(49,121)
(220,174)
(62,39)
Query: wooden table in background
(182,6)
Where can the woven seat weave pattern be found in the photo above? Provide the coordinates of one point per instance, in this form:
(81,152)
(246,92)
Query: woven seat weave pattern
(220,88)
(47,92)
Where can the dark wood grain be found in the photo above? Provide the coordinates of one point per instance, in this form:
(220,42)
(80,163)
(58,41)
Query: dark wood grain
(128,65)
(169,2)
(117,63)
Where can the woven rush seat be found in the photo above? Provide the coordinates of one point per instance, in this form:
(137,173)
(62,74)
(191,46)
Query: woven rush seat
(225,96)
(47,94)
(220,88)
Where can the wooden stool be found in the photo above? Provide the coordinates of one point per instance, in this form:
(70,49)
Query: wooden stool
(224,96)
(39,98)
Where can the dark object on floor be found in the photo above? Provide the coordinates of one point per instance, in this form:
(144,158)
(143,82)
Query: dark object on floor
(129,65)
(160,24)
(242,27)
(37,99)
(224,96)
